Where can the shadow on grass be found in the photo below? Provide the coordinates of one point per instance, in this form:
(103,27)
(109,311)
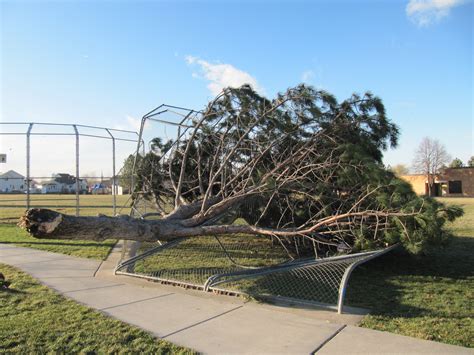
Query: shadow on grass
(403,285)
(61,243)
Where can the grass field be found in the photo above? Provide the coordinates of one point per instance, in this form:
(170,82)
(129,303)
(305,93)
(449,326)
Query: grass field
(429,297)
(37,320)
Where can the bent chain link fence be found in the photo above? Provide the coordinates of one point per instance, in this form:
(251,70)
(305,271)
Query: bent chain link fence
(252,266)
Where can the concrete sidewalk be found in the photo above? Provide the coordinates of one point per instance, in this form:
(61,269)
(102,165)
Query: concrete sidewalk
(210,323)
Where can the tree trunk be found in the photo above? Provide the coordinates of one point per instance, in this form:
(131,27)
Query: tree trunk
(430,187)
(48,224)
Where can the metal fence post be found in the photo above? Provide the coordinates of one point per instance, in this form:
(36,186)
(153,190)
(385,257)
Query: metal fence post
(137,153)
(347,275)
(114,184)
(28,132)
(77,169)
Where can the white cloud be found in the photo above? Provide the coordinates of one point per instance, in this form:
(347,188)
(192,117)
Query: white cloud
(190,59)
(222,75)
(130,123)
(307,76)
(427,12)
(134,123)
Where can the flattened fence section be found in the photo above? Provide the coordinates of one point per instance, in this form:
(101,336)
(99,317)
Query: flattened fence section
(252,266)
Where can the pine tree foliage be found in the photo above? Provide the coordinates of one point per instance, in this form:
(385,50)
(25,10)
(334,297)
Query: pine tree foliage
(303,169)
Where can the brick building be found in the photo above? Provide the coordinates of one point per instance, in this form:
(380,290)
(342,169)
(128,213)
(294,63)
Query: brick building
(452,182)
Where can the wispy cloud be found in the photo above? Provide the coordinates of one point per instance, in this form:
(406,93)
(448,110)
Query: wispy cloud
(427,12)
(222,75)
(307,76)
(130,123)
(134,122)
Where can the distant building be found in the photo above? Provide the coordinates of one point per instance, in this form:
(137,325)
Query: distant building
(118,189)
(451,182)
(99,189)
(64,184)
(106,187)
(11,181)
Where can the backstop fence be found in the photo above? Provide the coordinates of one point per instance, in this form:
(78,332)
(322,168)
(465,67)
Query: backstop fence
(63,143)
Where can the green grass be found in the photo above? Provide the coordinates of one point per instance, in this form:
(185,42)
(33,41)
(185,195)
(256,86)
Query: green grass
(37,320)
(11,234)
(429,297)
(196,259)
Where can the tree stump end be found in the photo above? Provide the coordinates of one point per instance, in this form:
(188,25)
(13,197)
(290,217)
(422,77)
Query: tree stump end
(40,221)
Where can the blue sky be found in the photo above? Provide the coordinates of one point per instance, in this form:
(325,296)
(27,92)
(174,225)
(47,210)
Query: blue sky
(108,62)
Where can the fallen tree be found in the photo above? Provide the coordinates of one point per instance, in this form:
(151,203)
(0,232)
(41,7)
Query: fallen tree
(301,169)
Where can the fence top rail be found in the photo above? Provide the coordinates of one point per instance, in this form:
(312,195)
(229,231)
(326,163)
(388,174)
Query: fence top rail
(68,125)
(166,108)
(53,177)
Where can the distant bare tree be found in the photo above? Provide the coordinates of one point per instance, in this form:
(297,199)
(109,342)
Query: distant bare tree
(430,157)
(399,169)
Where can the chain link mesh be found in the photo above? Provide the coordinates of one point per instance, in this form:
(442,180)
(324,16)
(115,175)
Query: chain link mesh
(194,260)
(318,281)
(253,266)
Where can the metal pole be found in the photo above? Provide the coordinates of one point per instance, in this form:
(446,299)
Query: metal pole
(30,127)
(347,274)
(143,150)
(114,184)
(137,153)
(77,169)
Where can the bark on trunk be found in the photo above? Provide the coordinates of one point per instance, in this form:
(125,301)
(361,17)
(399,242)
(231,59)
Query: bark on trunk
(48,224)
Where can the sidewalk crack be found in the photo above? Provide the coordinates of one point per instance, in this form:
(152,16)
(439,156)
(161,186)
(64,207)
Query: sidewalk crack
(329,339)
(201,322)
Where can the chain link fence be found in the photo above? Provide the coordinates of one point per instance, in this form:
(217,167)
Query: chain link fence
(64,151)
(247,265)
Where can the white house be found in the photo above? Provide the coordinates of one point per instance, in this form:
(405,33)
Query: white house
(51,187)
(118,189)
(63,183)
(11,181)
